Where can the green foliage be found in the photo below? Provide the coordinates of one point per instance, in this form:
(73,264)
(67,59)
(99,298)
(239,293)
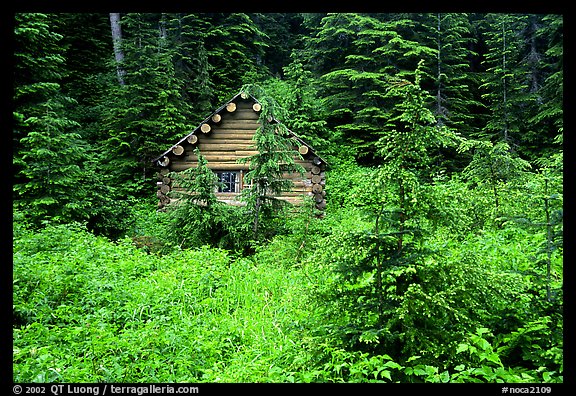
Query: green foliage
(198,218)
(89,310)
(415,272)
(276,157)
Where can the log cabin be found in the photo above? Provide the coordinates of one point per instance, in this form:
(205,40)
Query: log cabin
(223,138)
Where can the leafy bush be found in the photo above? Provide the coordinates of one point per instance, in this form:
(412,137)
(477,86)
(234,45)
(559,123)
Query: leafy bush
(87,309)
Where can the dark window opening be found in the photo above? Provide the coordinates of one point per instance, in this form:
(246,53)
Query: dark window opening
(230,181)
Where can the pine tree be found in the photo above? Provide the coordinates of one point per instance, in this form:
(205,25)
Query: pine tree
(48,152)
(275,158)
(150,109)
(505,82)
(364,52)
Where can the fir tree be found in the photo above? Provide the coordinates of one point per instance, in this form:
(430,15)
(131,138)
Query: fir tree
(48,151)
(275,158)
(370,51)
(149,110)
(504,83)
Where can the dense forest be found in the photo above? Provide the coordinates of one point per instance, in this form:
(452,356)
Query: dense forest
(438,256)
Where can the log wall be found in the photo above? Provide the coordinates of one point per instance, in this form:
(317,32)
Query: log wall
(226,137)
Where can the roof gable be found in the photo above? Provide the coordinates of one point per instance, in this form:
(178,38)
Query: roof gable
(230,106)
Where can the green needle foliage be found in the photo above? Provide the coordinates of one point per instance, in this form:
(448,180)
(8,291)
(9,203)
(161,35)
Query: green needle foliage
(275,158)
(438,257)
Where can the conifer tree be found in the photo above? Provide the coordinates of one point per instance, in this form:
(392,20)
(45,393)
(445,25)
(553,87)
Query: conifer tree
(275,158)
(546,124)
(194,216)
(48,151)
(150,109)
(405,148)
(504,83)
(235,47)
(366,51)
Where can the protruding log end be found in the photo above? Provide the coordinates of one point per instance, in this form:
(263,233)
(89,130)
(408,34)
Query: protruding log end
(192,139)
(216,118)
(178,150)
(205,128)
(303,150)
(256,107)
(231,107)
(164,161)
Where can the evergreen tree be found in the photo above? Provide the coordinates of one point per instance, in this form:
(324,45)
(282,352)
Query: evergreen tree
(505,80)
(188,35)
(362,53)
(449,78)
(48,151)
(405,148)
(149,110)
(235,47)
(496,165)
(88,72)
(546,52)
(193,217)
(275,158)
(304,112)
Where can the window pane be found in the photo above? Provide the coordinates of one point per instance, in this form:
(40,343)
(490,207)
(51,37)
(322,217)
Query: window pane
(230,181)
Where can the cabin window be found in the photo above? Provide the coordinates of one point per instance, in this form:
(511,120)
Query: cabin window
(230,181)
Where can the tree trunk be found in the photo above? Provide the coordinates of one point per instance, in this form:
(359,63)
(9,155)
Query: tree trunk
(117,43)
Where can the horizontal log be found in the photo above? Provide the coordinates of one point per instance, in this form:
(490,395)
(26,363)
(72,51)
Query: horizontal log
(178,150)
(237,124)
(256,107)
(216,118)
(239,153)
(315,169)
(231,157)
(177,167)
(303,150)
(317,188)
(240,114)
(225,142)
(204,147)
(231,107)
(229,135)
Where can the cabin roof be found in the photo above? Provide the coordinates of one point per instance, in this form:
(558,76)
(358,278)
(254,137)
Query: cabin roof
(218,110)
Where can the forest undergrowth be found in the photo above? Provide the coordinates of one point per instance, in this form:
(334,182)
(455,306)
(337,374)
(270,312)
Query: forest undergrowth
(302,307)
